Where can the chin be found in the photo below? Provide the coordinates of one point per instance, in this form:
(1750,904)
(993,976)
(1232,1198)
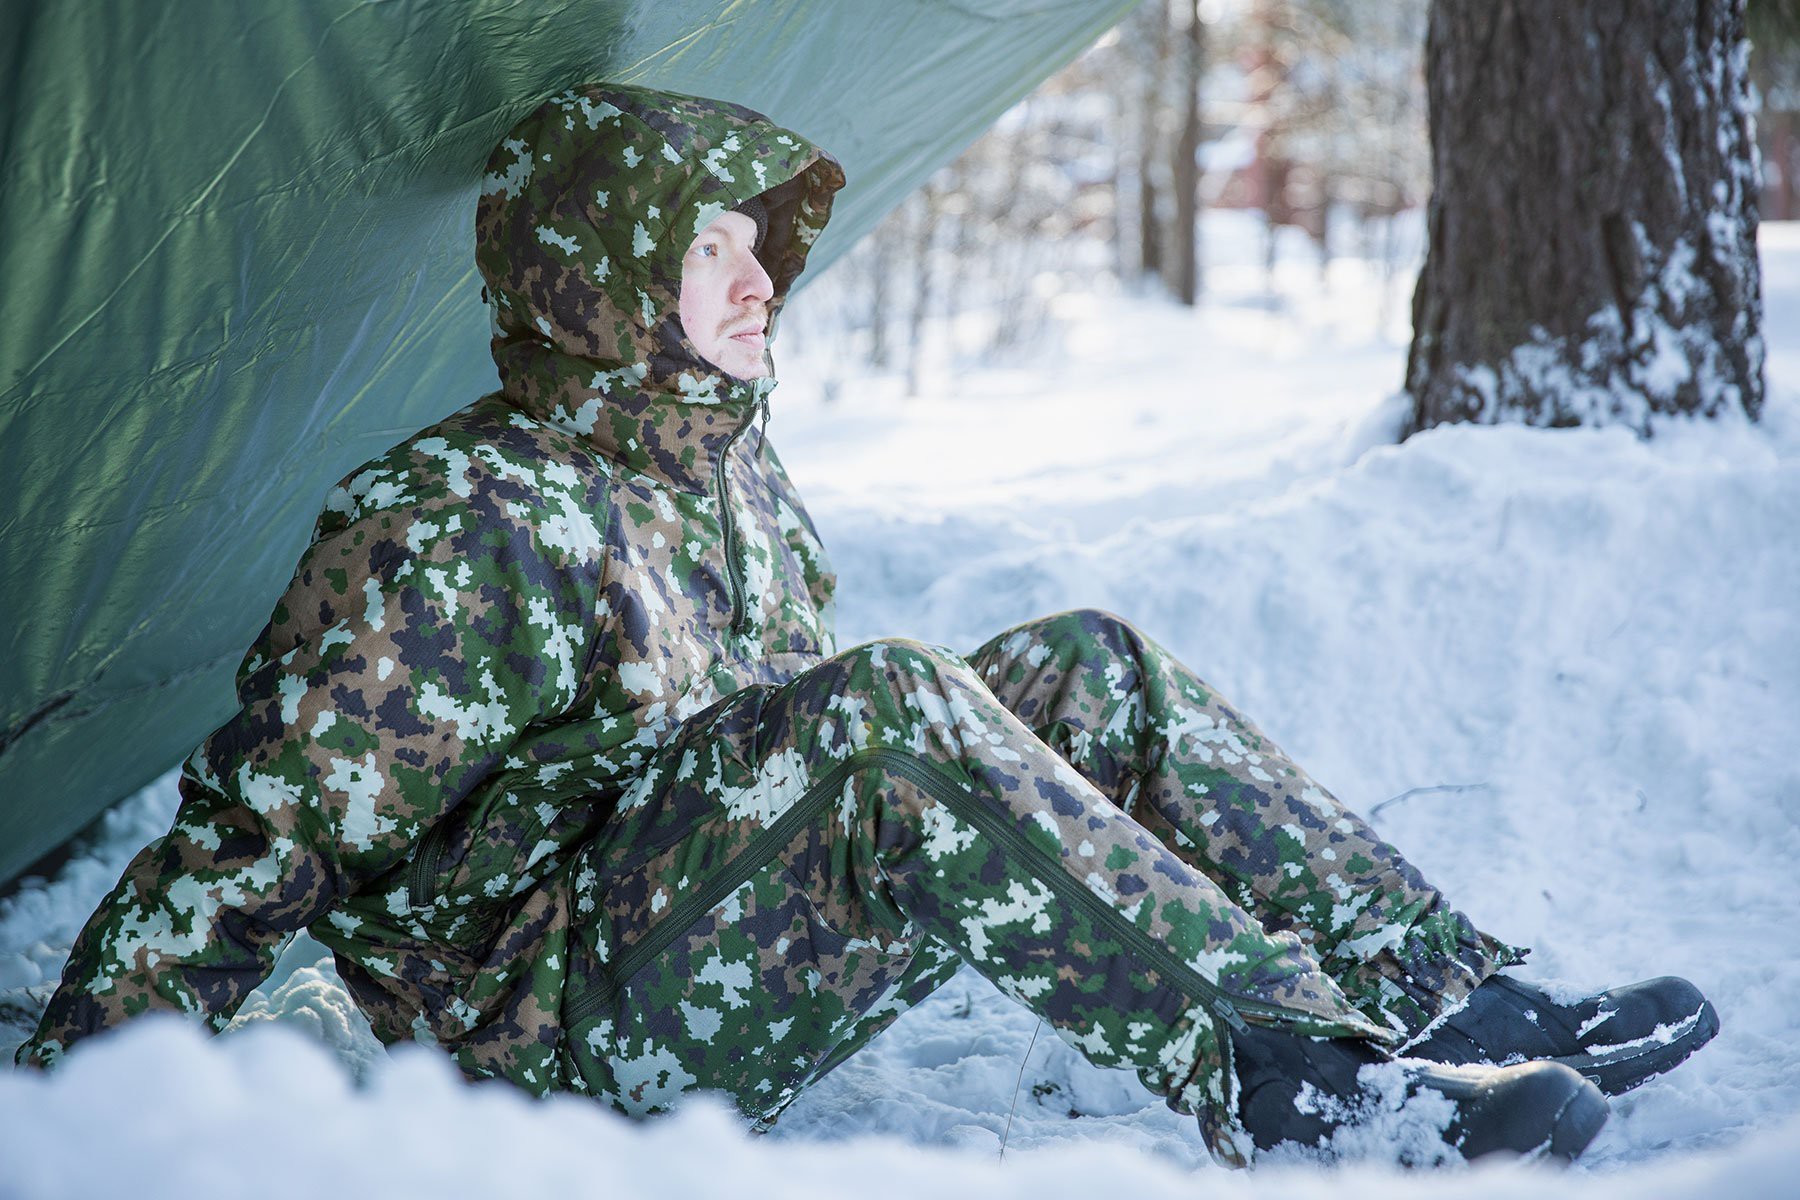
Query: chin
(753,369)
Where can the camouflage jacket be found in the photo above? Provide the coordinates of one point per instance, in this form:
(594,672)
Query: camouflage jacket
(499,619)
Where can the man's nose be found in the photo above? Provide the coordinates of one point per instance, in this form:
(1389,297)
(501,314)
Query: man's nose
(753,285)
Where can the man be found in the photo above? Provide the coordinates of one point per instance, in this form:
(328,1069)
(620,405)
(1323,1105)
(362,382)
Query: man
(548,742)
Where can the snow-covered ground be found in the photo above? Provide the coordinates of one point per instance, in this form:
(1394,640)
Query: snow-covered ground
(1560,669)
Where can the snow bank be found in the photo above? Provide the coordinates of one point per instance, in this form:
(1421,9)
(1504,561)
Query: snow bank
(1561,669)
(165,1112)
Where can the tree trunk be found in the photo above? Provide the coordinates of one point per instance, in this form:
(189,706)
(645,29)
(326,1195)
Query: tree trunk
(1150,255)
(1592,232)
(1785,147)
(880,267)
(1121,173)
(924,251)
(1186,175)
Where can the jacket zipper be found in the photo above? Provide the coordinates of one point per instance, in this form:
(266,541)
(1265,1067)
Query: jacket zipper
(734,575)
(421,879)
(419,890)
(1230,1006)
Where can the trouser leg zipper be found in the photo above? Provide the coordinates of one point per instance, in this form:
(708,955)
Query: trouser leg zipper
(1230,1006)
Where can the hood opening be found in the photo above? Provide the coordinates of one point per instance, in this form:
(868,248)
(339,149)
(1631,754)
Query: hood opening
(587,209)
(782,204)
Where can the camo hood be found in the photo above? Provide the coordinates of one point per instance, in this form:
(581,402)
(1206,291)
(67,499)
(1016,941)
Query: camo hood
(587,208)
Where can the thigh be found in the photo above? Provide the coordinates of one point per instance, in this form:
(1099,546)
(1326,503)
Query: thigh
(767,883)
(699,961)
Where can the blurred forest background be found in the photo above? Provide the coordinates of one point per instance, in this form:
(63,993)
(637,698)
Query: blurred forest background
(1302,117)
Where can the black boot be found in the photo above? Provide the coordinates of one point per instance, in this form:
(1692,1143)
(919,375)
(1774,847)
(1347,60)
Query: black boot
(1618,1039)
(1307,1090)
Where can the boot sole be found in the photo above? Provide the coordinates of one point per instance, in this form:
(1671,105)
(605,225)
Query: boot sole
(1618,1069)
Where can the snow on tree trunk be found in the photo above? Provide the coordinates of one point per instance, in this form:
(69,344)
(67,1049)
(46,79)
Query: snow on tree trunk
(1592,232)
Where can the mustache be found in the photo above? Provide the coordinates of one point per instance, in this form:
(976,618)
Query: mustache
(755,322)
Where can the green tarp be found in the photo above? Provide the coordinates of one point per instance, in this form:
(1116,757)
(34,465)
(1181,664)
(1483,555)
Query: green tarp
(236,261)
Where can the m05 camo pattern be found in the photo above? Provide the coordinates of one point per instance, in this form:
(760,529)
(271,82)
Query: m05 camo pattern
(509,611)
(760,899)
(548,741)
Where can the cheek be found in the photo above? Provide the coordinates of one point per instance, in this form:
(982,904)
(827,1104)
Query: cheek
(690,297)
(699,311)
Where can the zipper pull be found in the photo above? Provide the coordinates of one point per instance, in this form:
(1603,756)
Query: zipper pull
(1230,1015)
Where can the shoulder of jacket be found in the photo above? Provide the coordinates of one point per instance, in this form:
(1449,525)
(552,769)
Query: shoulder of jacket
(486,464)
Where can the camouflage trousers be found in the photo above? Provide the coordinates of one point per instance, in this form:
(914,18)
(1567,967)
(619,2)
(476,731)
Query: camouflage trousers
(1069,810)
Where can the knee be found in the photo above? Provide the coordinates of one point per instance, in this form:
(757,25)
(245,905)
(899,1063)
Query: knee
(897,662)
(898,690)
(1067,638)
(1095,623)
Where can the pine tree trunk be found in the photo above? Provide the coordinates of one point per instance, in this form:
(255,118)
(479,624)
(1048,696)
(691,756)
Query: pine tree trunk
(1186,175)
(1150,255)
(1592,232)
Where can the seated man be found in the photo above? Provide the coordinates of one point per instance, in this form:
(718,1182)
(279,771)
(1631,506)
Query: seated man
(548,741)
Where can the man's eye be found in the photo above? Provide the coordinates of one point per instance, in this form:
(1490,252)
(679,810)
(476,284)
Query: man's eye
(707,250)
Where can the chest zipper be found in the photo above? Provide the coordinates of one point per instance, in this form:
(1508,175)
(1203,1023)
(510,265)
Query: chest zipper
(734,572)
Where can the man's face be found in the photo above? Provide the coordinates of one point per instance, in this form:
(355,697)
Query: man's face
(725,297)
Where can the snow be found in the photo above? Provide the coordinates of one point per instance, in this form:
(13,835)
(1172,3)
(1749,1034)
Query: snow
(1560,668)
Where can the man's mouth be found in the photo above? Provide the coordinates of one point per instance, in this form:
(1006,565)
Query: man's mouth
(752,335)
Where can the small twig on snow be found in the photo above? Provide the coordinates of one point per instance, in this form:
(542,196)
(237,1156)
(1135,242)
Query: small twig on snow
(1409,793)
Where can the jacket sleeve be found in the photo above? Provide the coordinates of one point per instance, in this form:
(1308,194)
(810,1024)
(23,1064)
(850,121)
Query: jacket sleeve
(421,633)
